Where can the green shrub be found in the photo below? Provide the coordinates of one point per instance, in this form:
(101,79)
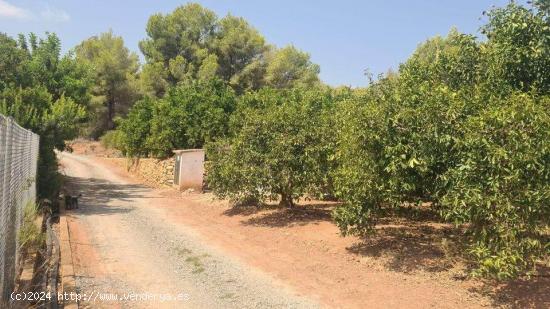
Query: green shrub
(55,122)
(45,93)
(516,55)
(112,139)
(501,185)
(462,126)
(189,116)
(482,165)
(135,128)
(277,148)
(359,176)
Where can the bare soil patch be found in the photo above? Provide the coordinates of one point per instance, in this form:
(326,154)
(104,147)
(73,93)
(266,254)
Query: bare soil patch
(95,148)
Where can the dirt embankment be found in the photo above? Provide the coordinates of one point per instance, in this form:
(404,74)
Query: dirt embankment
(407,265)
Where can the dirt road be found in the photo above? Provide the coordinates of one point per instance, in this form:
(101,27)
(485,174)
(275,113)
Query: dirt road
(124,248)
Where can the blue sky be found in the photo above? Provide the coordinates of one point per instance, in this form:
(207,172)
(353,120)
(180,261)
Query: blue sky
(343,37)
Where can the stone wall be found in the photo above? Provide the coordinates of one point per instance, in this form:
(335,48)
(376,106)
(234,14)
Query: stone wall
(160,172)
(154,171)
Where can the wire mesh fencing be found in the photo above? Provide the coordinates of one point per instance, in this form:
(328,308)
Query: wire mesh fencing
(18,165)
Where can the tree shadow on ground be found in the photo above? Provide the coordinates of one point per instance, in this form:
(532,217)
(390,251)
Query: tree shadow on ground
(276,216)
(409,248)
(406,246)
(520,293)
(102,197)
(249,210)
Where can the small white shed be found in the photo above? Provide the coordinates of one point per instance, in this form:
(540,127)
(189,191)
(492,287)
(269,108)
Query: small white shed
(189,169)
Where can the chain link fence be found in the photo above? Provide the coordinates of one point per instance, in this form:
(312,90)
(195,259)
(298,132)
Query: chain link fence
(18,164)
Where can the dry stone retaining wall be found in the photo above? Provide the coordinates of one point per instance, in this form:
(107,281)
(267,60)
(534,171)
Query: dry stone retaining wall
(154,171)
(160,172)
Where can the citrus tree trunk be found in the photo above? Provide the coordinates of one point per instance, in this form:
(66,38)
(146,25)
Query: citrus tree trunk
(286,200)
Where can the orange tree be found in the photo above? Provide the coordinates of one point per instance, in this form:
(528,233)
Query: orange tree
(278,148)
(464,126)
